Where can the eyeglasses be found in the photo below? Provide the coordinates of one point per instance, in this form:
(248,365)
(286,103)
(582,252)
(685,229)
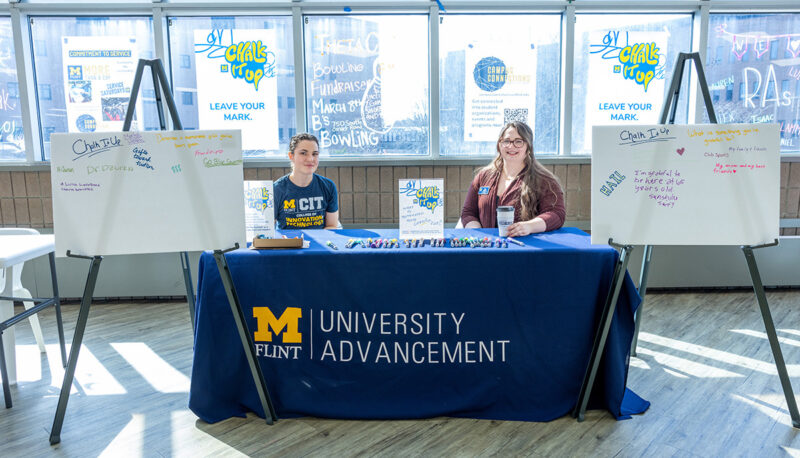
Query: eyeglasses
(519,143)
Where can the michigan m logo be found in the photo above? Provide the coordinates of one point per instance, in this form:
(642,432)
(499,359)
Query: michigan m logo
(74,72)
(266,321)
(288,204)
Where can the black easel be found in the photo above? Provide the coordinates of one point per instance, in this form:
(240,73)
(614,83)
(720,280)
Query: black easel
(668,114)
(77,339)
(602,331)
(88,291)
(247,340)
(160,76)
(668,117)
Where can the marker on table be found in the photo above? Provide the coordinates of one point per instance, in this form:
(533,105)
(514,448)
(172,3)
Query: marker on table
(330,244)
(515,241)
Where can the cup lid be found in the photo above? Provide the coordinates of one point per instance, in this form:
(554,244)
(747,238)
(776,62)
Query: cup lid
(505,208)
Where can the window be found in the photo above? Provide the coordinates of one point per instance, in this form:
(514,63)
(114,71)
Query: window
(12,140)
(486,82)
(13,86)
(40,48)
(729,92)
(760,97)
(290,102)
(614,85)
(45,92)
(378,70)
(236,90)
(187,98)
(47,131)
(186,62)
(90,69)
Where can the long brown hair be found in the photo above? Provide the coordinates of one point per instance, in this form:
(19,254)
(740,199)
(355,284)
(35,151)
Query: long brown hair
(531,175)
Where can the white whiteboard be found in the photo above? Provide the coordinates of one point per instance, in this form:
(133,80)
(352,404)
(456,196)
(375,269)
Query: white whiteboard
(147,192)
(705,184)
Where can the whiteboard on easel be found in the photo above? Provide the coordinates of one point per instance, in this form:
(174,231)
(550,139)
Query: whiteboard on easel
(705,184)
(147,192)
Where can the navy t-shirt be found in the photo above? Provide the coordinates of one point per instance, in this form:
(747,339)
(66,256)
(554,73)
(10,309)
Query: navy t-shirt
(304,208)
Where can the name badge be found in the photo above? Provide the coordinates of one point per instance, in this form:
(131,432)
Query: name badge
(483,190)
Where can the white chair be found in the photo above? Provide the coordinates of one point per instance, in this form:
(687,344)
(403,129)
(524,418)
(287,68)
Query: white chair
(18,289)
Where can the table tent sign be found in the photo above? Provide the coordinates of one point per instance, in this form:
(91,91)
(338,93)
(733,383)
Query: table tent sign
(704,184)
(147,192)
(259,209)
(421,208)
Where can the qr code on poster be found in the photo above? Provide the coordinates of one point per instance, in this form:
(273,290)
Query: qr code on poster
(515,114)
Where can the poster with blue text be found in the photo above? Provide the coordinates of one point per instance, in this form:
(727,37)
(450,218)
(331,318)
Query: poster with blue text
(500,87)
(237,84)
(626,77)
(259,209)
(98,75)
(421,208)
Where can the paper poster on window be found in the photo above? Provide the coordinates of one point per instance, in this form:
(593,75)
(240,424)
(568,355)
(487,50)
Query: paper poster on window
(626,77)
(421,208)
(237,86)
(259,209)
(500,87)
(98,75)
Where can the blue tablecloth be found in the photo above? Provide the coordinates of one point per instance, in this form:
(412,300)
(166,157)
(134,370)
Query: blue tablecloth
(499,333)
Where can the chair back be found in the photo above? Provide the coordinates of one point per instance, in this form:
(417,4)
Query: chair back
(17,269)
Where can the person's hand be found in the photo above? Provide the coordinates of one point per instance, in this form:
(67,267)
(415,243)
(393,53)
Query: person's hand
(519,229)
(522,228)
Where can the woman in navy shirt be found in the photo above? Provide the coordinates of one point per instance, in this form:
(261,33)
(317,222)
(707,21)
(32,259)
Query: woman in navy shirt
(303,199)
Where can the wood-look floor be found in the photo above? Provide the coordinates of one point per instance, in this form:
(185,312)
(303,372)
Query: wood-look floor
(704,363)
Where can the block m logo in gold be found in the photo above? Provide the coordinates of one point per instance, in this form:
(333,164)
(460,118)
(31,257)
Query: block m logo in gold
(288,204)
(289,320)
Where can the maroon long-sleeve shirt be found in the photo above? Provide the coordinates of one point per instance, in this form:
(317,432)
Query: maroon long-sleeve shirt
(482,201)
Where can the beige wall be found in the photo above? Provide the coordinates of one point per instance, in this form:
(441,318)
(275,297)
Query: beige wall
(367,195)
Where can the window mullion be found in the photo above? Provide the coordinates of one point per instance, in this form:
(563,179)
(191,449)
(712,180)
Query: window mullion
(24,57)
(567,66)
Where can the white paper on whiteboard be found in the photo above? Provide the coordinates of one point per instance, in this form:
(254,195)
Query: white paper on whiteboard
(147,192)
(709,184)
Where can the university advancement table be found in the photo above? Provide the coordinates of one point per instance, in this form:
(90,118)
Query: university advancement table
(496,333)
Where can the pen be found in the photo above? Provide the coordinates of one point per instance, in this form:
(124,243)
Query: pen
(515,241)
(330,244)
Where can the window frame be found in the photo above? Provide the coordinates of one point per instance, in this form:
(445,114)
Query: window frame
(20,14)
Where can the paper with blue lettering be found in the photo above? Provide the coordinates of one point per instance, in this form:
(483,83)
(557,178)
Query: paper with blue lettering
(147,192)
(703,184)
(259,209)
(421,208)
(97,81)
(237,84)
(500,87)
(627,77)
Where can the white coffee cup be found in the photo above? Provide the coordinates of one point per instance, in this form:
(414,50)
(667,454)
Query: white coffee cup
(505,217)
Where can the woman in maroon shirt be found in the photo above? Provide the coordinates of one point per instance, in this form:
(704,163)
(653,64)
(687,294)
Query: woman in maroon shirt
(517,179)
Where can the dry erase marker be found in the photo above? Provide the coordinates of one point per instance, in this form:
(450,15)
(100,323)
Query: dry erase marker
(515,241)
(330,244)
